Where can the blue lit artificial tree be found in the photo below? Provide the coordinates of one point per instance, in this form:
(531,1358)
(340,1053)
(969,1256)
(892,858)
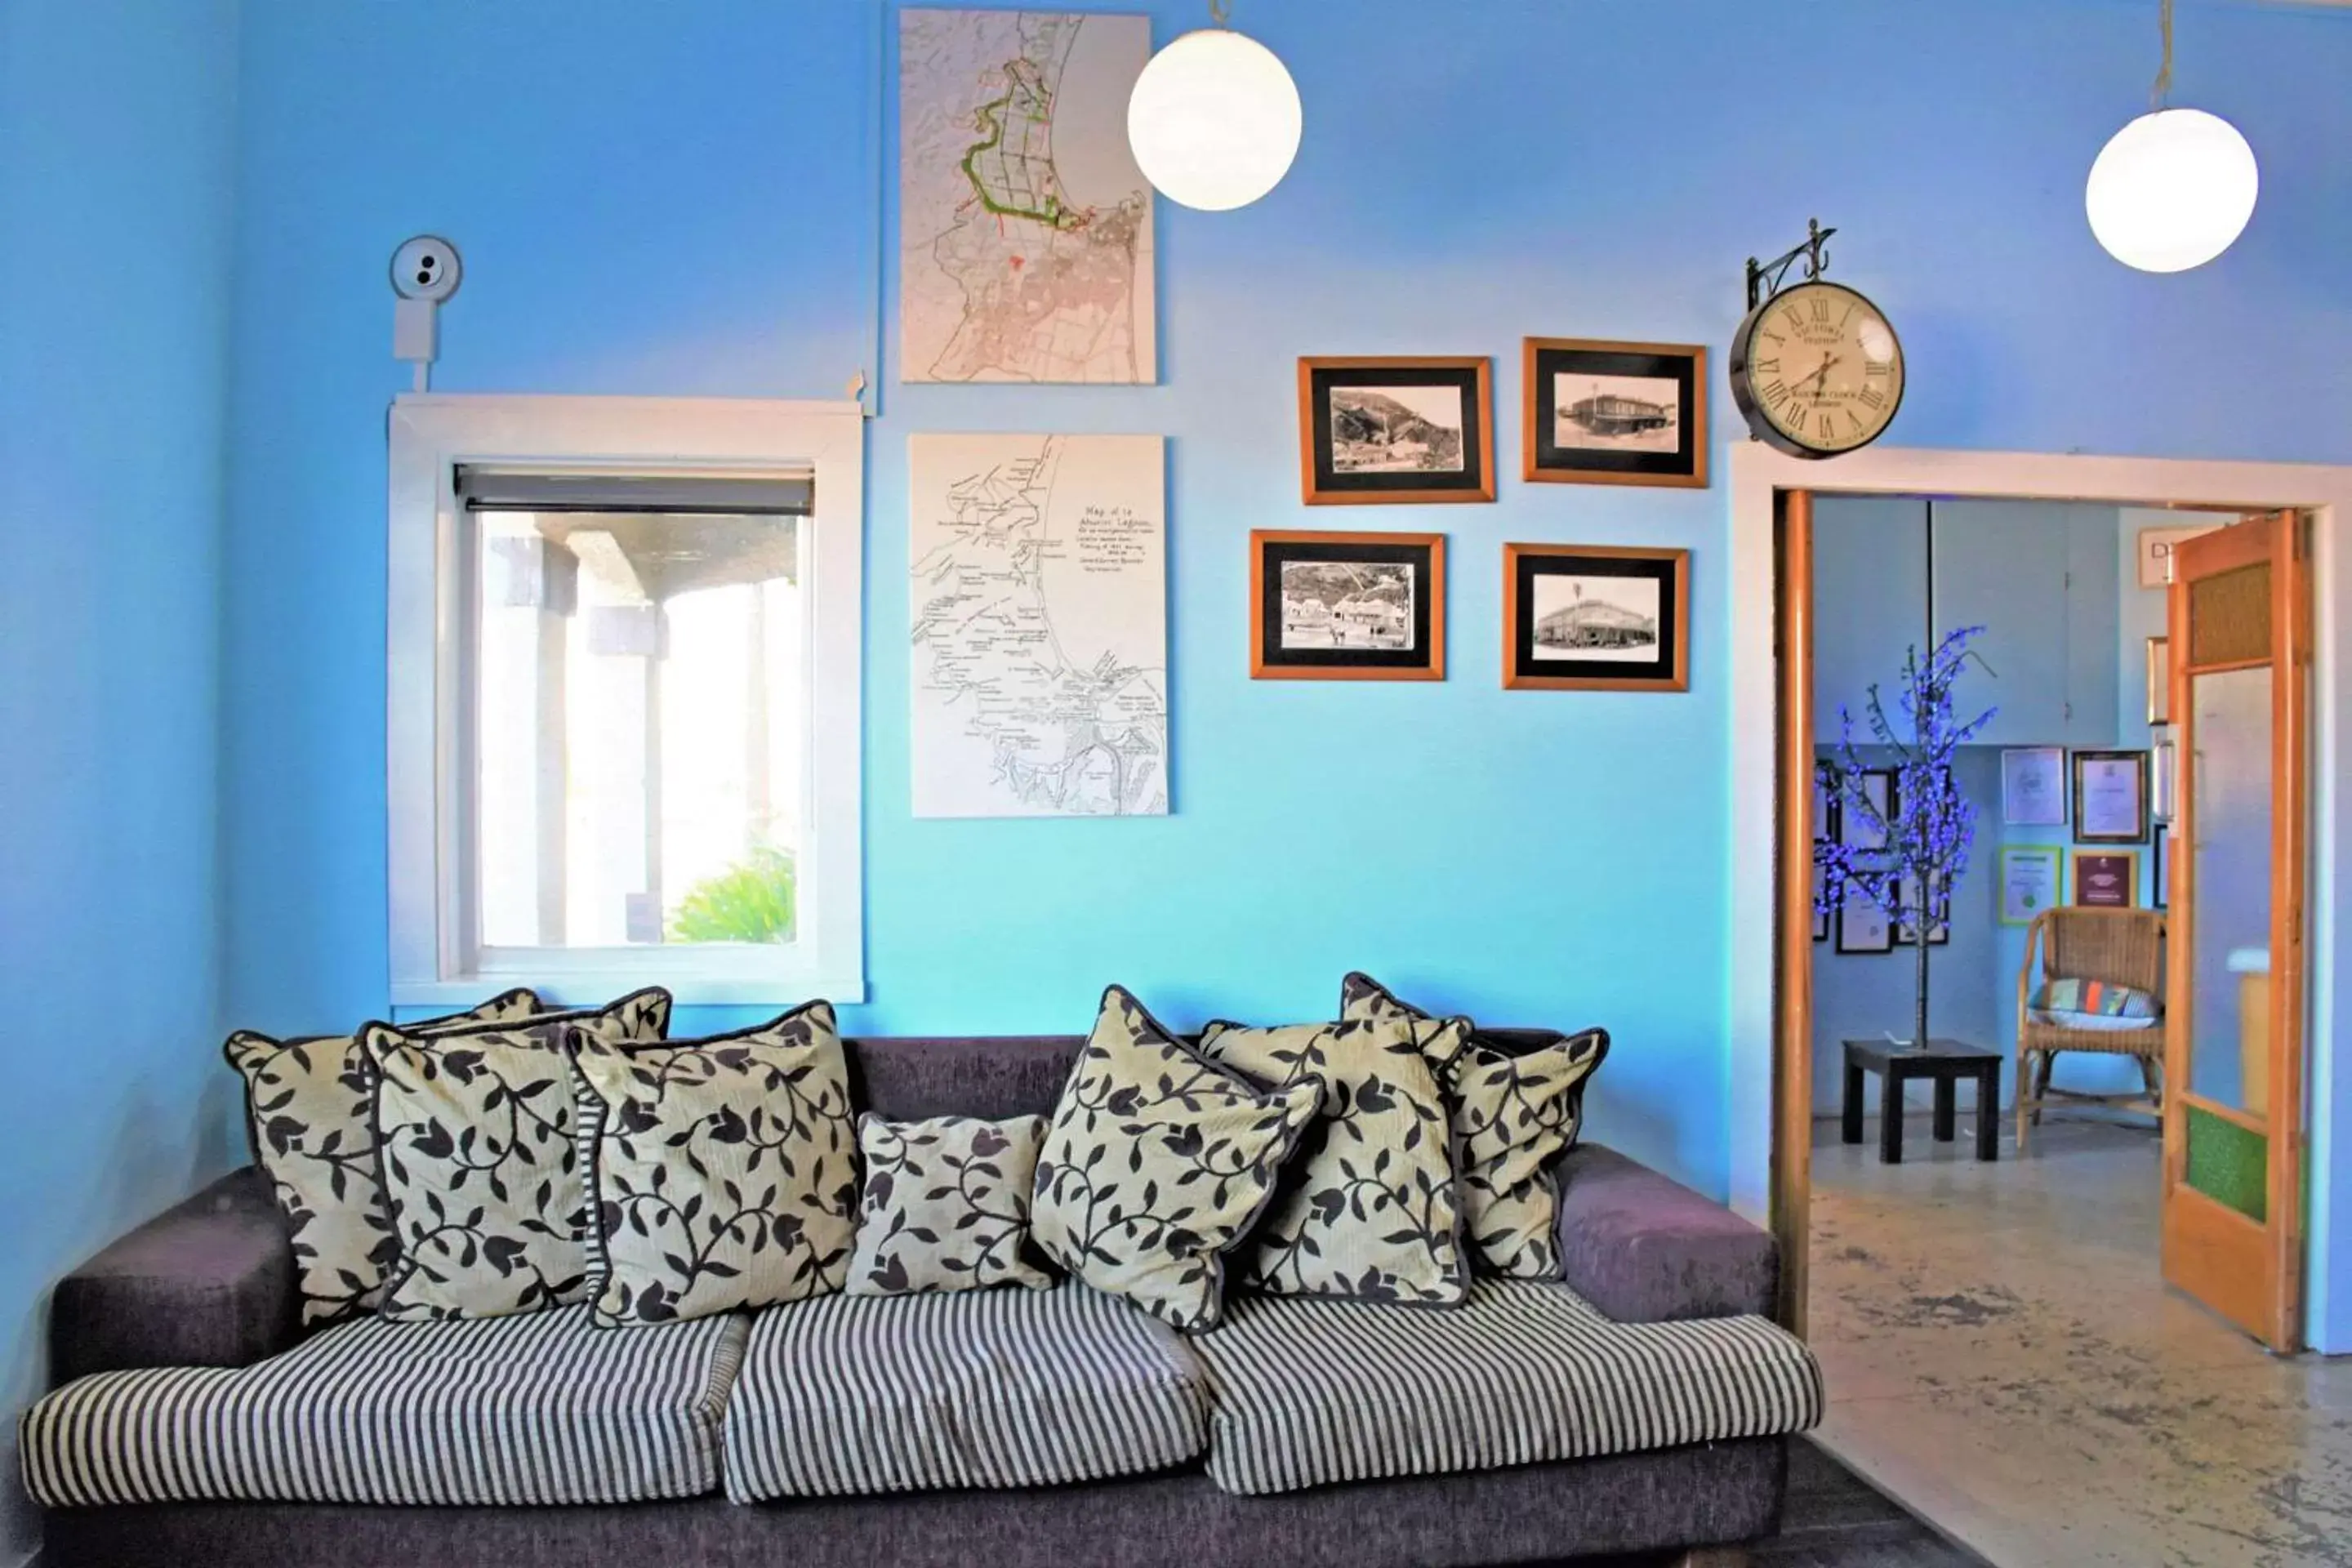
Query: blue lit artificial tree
(1929,827)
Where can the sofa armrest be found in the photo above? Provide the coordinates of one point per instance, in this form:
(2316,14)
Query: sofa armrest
(209,1282)
(1645,1249)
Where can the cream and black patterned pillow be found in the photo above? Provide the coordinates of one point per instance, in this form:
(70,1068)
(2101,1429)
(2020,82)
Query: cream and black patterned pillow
(310,1115)
(1156,1164)
(1515,1119)
(945,1204)
(724,1170)
(1367,1209)
(477,1136)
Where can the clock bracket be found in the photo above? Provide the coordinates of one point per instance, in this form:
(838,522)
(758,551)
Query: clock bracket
(1765,278)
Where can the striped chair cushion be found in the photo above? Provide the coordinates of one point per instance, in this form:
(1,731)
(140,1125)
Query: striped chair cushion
(1308,1392)
(535,1409)
(969,1388)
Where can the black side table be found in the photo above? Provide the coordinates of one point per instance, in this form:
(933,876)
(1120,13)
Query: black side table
(1943,1061)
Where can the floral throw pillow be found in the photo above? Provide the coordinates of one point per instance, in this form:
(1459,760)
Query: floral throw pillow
(309,1113)
(946,1205)
(476,1133)
(1156,1164)
(724,1170)
(1368,1210)
(1515,1119)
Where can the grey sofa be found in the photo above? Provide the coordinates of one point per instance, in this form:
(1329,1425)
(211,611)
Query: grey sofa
(210,1284)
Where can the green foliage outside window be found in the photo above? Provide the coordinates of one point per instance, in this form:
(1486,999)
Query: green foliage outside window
(752,901)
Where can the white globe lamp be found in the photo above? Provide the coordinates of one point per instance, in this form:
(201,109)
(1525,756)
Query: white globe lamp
(1215,120)
(2172,190)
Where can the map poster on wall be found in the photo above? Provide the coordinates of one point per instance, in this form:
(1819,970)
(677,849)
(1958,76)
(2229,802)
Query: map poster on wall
(1039,666)
(1025,227)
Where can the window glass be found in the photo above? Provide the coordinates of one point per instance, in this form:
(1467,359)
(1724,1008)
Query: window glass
(640,728)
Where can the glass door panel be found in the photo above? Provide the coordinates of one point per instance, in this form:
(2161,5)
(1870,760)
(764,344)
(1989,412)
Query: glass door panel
(2230,917)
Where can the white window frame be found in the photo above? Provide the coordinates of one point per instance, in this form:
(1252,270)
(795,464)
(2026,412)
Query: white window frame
(435,958)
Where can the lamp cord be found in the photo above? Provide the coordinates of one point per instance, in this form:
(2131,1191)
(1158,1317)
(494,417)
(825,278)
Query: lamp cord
(2160,94)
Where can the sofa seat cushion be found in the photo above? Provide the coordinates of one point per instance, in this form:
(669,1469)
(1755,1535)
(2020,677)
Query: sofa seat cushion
(538,1408)
(1308,1392)
(969,1388)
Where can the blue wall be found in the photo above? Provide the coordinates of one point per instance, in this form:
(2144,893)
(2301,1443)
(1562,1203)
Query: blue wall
(117,158)
(686,201)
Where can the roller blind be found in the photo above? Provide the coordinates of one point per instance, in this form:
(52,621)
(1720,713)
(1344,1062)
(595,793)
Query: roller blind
(514,489)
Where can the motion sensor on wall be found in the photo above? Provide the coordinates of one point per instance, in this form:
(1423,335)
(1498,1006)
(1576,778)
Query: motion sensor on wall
(425,270)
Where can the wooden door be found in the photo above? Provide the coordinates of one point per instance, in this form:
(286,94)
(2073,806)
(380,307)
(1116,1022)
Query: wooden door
(2233,1130)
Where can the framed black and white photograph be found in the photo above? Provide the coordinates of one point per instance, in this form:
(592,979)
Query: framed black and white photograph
(1598,413)
(1581,618)
(1825,800)
(1377,430)
(1863,927)
(1347,606)
(2111,798)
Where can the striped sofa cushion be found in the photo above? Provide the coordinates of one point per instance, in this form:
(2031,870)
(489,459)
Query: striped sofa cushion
(535,1409)
(969,1388)
(1308,1392)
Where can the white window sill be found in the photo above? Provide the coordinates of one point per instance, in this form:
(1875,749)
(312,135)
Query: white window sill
(583,991)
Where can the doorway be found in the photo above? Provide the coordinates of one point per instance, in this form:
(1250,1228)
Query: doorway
(1788,624)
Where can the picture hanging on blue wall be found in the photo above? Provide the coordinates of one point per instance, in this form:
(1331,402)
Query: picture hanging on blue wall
(1600,413)
(1380,430)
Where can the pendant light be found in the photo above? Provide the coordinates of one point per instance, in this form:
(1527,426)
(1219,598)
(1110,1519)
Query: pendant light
(1214,118)
(2173,189)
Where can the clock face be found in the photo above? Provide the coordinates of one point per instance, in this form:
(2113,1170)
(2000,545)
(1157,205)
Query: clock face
(1821,369)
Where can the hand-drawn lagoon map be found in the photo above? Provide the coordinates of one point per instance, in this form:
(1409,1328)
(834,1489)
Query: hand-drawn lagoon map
(1040,617)
(1024,226)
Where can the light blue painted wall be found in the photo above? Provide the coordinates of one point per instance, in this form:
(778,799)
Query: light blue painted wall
(683,201)
(116,158)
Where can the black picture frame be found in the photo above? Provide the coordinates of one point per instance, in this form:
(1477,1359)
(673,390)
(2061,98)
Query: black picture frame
(1422,654)
(1828,808)
(1849,942)
(1324,481)
(1645,596)
(1851,824)
(1609,366)
(1906,930)
(2078,763)
(1821,913)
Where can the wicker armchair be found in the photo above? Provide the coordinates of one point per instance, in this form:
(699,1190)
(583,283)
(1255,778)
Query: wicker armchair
(2120,947)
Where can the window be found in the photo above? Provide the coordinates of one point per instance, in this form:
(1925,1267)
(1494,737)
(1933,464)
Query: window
(623,693)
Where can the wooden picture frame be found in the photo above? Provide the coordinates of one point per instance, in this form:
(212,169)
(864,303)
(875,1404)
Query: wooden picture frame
(1595,617)
(1641,420)
(2116,785)
(1373,429)
(1366,606)
(2105,878)
(2159,682)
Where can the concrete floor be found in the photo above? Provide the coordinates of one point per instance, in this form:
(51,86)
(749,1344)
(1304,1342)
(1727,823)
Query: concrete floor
(2002,1357)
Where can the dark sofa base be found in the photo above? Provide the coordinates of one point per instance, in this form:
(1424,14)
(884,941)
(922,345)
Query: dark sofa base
(1716,1493)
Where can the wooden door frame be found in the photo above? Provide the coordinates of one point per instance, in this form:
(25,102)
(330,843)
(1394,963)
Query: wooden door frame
(1770,1047)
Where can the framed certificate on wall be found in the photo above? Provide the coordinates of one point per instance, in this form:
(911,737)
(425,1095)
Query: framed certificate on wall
(2033,787)
(2107,879)
(2111,798)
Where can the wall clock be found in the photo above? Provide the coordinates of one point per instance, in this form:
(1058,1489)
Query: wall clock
(1816,368)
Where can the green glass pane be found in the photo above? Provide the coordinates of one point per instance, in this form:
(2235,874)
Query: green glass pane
(2229,1164)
